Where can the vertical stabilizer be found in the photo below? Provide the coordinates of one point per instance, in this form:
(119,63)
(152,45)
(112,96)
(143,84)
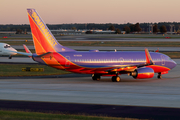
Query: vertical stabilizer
(27,50)
(43,39)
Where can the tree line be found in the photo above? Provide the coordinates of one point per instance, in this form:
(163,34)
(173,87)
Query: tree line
(128,27)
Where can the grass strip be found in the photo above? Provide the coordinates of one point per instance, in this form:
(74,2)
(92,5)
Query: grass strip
(20,115)
(16,70)
(15,38)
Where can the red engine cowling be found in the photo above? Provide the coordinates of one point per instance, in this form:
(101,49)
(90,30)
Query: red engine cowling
(143,73)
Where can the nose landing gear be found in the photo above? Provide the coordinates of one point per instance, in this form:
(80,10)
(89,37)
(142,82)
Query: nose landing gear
(159,76)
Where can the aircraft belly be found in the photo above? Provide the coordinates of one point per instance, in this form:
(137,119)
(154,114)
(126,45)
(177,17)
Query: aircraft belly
(158,69)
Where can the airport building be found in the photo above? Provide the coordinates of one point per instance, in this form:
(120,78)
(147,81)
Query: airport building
(79,32)
(68,32)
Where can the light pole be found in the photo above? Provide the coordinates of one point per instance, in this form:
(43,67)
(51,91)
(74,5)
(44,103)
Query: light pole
(150,28)
(171,28)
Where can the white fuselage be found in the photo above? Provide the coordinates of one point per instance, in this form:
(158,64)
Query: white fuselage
(6,49)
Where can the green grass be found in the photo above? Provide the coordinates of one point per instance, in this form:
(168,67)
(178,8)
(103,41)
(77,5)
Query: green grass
(16,70)
(15,38)
(17,42)
(19,115)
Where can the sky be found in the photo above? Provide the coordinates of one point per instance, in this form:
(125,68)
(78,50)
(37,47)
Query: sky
(91,11)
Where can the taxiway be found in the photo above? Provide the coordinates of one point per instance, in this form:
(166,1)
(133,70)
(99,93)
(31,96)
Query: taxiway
(82,89)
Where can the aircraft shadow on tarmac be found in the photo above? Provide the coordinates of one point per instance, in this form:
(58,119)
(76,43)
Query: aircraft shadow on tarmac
(87,77)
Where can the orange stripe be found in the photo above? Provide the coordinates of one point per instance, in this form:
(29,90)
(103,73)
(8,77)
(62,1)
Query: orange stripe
(42,33)
(38,51)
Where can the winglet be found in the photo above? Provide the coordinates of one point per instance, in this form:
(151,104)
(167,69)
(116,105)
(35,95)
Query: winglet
(27,49)
(157,50)
(148,57)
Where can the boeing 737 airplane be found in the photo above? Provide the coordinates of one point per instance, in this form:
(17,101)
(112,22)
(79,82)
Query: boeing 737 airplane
(138,64)
(6,49)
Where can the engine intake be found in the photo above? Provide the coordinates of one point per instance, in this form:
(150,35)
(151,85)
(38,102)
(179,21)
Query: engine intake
(142,73)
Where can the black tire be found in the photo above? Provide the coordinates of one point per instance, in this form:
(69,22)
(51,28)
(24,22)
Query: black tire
(113,78)
(116,79)
(96,77)
(159,76)
(93,78)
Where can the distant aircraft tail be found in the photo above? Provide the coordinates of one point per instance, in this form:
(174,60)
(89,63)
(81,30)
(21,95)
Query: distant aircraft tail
(27,50)
(43,39)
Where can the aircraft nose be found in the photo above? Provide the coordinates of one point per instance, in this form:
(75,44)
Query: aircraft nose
(14,50)
(173,64)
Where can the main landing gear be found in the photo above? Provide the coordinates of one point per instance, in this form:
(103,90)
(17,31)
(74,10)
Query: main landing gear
(10,57)
(114,78)
(159,76)
(96,77)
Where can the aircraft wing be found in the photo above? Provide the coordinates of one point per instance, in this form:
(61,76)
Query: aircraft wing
(130,68)
(125,68)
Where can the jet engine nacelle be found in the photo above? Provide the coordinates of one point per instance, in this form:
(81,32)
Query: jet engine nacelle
(142,73)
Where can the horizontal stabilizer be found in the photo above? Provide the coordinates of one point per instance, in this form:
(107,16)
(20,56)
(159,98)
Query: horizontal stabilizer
(46,55)
(27,50)
(22,53)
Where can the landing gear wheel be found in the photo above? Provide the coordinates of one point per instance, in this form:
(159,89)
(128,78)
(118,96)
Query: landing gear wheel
(113,78)
(116,79)
(10,57)
(159,76)
(96,77)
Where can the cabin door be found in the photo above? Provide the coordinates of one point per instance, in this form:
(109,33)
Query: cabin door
(162,60)
(121,61)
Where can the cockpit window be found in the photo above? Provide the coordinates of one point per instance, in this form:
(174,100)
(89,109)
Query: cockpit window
(7,46)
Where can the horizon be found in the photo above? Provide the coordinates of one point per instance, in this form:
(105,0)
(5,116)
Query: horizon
(94,11)
(99,23)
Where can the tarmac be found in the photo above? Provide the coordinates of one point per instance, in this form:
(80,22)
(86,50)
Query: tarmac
(75,88)
(17,60)
(76,93)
